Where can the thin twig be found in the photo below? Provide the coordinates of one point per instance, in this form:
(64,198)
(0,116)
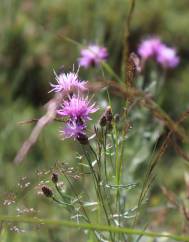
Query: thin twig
(41,123)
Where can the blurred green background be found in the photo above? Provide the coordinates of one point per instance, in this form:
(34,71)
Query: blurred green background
(32,45)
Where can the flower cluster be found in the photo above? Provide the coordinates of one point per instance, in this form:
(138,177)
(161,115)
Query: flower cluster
(75,107)
(93,55)
(155,48)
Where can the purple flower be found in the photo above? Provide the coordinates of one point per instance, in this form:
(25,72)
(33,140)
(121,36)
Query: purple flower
(150,47)
(167,57)
(68,83)
(77,108)
(163,54)
(92,56)
(73,129)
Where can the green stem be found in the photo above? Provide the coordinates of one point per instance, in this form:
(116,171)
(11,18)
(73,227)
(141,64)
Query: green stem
(104,146)
(110,71)
(98,189)
(98,227)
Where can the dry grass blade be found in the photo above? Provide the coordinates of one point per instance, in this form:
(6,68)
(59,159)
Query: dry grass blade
(126,41)
(176,202)
(144,100)
(41,123)
(153,163)
(132,67)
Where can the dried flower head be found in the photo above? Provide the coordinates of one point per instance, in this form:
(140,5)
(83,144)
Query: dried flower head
(103,121)
(77,108)
(54,178)
(108,114)
(68,83)
(107,117)
(92,56)
(47,191)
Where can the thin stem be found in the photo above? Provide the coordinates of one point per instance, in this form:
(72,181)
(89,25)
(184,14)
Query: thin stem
(98,162)
(60,193)
(75,193)
(86,217)
(98,189)
(104,146)
(60,202)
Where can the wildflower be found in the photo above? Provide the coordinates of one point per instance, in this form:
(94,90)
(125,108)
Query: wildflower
(73,129)
(68,83)
(167,57)
(77,108)
(92,56)
(163,54)
(149,48)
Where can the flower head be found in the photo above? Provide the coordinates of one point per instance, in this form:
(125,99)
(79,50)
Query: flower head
(163,54)
(167,57)
(68,83)
(149,47)
(73,129)
(92,56)
(77,108)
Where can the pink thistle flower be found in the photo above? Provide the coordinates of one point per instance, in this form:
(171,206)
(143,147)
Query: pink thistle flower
(73,129)
(149,48)
(68,83)
(167,57)
(77,108)
(92,56)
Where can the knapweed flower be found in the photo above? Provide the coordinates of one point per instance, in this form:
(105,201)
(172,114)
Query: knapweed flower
(167,57)
(73,129)
(92,56)
(68,83)
(149,48)
(77,108)
(155,48)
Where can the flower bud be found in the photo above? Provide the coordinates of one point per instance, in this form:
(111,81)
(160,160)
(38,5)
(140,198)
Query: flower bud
(54,178)
(83,139)
(47,191)
(103,121)
(108,114)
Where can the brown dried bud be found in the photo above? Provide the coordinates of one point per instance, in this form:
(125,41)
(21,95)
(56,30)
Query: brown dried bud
(133,66)
(47,191)
(108,114)
(54,178)
(103,121)
(83,139)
